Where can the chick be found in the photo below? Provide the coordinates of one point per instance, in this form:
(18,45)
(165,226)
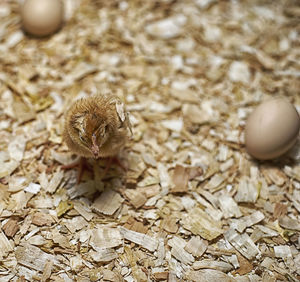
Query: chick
(96,127)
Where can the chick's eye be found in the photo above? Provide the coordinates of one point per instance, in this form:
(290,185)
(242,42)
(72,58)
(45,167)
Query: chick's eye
(82,138)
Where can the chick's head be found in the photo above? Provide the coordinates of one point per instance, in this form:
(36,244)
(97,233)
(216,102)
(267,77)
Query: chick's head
(92,126)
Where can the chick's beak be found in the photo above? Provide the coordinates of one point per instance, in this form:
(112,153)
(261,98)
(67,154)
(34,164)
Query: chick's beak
(95,147)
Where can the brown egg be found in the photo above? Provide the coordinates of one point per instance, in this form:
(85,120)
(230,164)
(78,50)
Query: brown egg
(272,129)
(42,17)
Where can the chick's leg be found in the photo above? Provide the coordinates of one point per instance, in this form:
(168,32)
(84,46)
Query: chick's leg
(81,164)
(110,161)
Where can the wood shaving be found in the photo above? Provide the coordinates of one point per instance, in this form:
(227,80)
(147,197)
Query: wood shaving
(145,241)
(107,203)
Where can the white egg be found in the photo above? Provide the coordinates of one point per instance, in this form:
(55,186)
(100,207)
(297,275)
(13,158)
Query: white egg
(42,17)
(272,129)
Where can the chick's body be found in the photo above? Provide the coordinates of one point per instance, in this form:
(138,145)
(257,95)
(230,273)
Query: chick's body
(96,126)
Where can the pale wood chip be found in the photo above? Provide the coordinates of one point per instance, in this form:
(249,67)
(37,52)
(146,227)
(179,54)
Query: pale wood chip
(135,197)
(170,224)
(84,211)
(274,175)
(293,172)
(282,251)
(16,147)
(228,206)
(148,159)
(214,182)
(76,223)
(103,255)
(242,243)
(200,223)
(196,114)
(81,70)
(247,192)
(149,191)
(249,220)
(108,202)
(19,200)
(47,270)
(147,181)
(164,176)
(36,240)
(104,237)
(63,158)
(8,167)
(144,240)
(196,246)
(212,264)
(178,250)
(76,263)
(5,245)
(160,252)
(33,188)
(207,275)
(289,223)
(55,181)
(108,275)
(33,257)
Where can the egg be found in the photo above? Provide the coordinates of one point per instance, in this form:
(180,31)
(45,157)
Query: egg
(42,17)
(272,129)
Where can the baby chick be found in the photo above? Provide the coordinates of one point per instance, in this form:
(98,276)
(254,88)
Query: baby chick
(96,126)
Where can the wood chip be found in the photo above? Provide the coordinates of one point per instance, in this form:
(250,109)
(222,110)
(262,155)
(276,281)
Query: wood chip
(11,227)
(145,241)
(104,237)
(47,270)
(206,275)
(214,182)
(211,264)
(103,255)
(161,276)
(5,244)
(200,223)
(242,243)
(196,246)
(248,221)
(42,219)
(84,211)
(136,198)
(229,206)
(245,266)
(108,202)
(289,223)
(170,224)
(55,181)
(180,179)
(247,192)
(178,250)
(32,257)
